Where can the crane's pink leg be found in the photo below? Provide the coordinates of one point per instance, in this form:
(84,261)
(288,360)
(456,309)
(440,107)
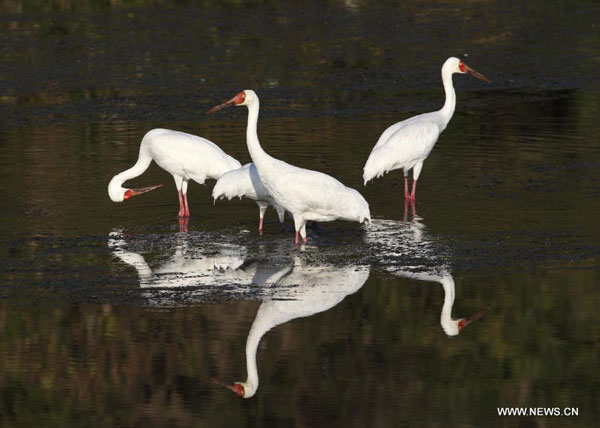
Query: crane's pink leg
(185,202)
(260,225)
(406,194)
(183,224)
(414,190)
(181,205)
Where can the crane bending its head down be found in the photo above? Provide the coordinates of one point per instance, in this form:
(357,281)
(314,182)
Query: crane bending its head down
(118,193)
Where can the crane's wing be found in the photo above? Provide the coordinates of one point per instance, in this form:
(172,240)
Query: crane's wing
(317,192)
(403,147)
(234,184)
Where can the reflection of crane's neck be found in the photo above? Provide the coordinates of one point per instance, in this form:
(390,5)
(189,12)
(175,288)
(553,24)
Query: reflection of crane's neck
(116,243)
(448,110)
(261,325)
(448,284)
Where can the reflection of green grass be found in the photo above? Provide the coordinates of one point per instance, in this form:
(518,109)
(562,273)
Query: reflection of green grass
(379,355)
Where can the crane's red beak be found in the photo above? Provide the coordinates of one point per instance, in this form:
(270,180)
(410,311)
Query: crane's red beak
(238,99)
(134,192)
(466,321)
(476,74)
(235,387)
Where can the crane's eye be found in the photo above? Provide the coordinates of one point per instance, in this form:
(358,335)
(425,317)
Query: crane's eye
(462,66)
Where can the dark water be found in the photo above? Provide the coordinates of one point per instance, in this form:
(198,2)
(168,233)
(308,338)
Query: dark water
(115,314)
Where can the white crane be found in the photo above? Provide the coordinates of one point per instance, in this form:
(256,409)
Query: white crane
(305,290)
(407,144)
(185,156)
(245,182)
(306,194)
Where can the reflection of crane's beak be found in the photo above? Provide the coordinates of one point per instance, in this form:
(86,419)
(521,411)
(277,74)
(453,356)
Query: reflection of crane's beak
(231,102)
(476,74)
(139,191)
(466,321)
(235,387)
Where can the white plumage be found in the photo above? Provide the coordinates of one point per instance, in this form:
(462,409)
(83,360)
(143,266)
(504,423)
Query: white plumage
(306,194)
(185,156)
(245,182)
(408,143)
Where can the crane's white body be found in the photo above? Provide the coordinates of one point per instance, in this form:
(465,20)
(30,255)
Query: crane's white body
(185,156)
(310,290)
(306,194)
(407,144)
(245,182)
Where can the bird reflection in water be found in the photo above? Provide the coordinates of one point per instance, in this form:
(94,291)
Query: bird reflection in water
(188,266)
(293,290)
(303,290)
(409,252)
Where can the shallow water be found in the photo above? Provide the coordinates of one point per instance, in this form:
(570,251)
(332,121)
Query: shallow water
(117,314)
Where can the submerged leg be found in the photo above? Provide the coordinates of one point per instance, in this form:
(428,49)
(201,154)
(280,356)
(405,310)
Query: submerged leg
(183,224)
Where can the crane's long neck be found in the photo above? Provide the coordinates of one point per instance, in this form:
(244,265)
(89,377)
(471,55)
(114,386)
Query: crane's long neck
(116,184)
(448,109)
(259,328)
(258,155)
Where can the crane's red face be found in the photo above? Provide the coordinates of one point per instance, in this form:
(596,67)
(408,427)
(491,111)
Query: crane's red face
(466,321)
(237,100)
(235,387)
(134,192)
(464,68)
